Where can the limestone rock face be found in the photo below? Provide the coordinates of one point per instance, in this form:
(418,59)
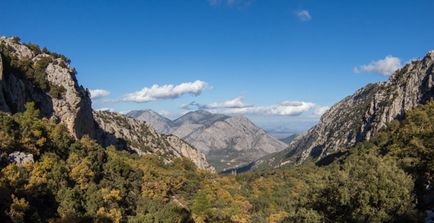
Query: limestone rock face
(117,129)
(72,107)
(20,158)
(75,108)
(360,116)
(186,150)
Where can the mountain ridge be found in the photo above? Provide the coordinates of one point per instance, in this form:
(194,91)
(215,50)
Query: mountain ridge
(228,141)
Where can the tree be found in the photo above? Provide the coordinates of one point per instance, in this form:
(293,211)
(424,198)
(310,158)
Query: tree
(18,209)
(367,189)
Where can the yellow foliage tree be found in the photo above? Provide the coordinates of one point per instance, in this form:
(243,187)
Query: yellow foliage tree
(82,173)
(18,208)
(113,214)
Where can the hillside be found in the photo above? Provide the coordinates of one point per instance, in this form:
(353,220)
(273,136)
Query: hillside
(360,116)
(143,139)
(158,122)
(226,141)
(289,139)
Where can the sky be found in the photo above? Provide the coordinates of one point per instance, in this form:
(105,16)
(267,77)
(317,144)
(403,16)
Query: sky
(282,63)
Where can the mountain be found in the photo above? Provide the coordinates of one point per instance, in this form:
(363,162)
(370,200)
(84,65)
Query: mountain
(360,116)
(157,121)
(29,73)
(289,139)
(227,141)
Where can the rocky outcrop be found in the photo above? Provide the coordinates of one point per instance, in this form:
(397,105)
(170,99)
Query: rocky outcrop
(362,115)
(227,141)
(20,158)
(117,129)
(186,150)
(71,105)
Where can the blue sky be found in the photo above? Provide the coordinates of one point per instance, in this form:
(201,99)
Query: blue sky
(279,62)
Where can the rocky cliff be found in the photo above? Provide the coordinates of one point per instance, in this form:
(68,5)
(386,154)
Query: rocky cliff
(363,114)
(227,141)
(29,73)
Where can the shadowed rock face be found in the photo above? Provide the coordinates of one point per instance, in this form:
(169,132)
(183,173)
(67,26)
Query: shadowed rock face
(227,141)
(361,115)
(71,104)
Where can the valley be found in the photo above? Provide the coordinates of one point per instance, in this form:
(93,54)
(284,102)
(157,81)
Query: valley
(216,111)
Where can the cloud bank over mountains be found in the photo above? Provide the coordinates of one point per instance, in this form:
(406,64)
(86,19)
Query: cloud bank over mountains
(238,106)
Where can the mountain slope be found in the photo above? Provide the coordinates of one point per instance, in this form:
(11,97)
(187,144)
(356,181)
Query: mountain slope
(289,139)
(227,141)
(360,116)
(157,121)
(31,74)
(143,139)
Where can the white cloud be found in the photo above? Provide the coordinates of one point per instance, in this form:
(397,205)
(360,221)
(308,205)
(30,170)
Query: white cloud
(98,93)
(385,66)
(237,106)
(286,108)
(105,109)
(237,102)
(230,3)
(233,103)
(320,110)
(303,15)
(124,112)
(169,91)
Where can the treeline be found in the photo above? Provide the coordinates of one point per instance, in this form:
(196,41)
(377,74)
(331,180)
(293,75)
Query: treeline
(387,179)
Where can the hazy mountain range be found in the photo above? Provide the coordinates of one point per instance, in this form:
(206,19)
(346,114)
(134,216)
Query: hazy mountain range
(226,141)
